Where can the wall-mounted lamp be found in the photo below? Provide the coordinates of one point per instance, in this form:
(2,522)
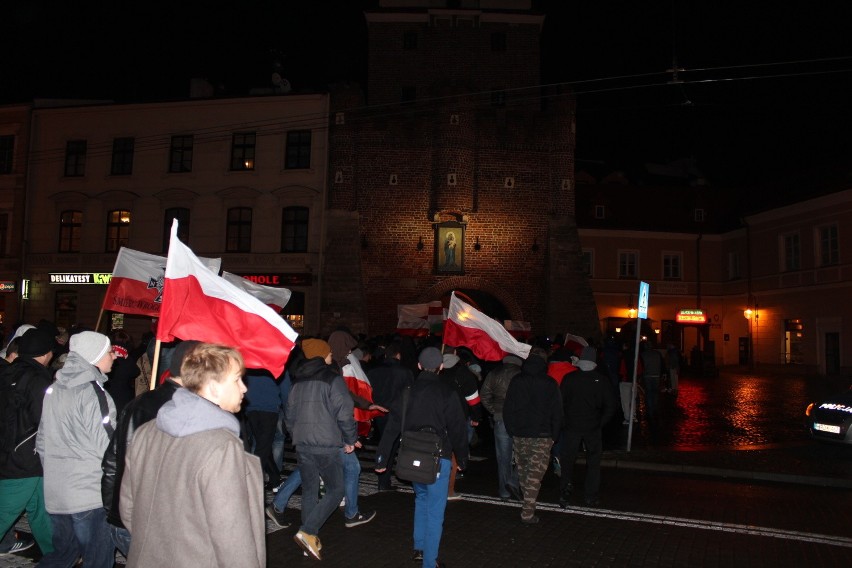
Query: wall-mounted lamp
(657,331)
(420,244)
(364,243)
(618,330)
(535,245)
(631,313)
(476,245)
(748,313)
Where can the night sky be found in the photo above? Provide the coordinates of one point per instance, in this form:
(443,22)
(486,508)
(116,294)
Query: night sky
(764,98)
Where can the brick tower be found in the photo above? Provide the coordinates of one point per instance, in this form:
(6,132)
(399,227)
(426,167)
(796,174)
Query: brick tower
(454,135)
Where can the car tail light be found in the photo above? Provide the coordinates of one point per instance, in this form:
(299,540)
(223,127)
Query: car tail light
(808,409)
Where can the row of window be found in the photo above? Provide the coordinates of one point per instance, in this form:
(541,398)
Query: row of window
(410,41)
(628,265)
(243,152)
(827,248)
(238,228)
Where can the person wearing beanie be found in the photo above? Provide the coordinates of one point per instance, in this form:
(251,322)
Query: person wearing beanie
(138,411)
(77,421)
(320,419)
(27,379)
(432,403)
(588,404)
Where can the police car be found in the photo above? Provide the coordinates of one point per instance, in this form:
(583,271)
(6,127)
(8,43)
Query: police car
(831,420)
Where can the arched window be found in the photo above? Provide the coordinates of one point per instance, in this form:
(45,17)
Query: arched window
(118,229)
(70,226)
(294,229)
(238,231)
(182,216)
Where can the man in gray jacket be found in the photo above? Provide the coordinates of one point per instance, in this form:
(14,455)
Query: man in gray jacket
(321,420)
(77,420)
(493,395)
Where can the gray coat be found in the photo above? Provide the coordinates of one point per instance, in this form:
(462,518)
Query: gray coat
(72,439)
(191,496)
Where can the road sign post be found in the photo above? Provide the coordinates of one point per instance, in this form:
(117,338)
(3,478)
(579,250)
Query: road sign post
(642,313)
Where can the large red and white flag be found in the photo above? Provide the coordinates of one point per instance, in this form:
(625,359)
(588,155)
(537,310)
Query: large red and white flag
(136,286)
(357,382)
(198,304)
(468,327)
(275,298)
(420,319)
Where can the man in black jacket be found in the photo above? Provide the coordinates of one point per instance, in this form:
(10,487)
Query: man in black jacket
(434,404)
(532,414)
(136,413)
(388,380)
(588,403)
(24,383)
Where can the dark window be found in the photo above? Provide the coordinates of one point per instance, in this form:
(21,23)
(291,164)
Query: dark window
(627,262)
(409,94)
(182,216)
(792,252)
(7,153)
(498,98)
(180,157)
(600,212)
(118,229)
(294,231)
(70,226)
(498,41)
(122,156)
(829,245)
(4,230)
(298,150)
(239,230)
(409,40)
(75,158)
(671,267)
(242,151)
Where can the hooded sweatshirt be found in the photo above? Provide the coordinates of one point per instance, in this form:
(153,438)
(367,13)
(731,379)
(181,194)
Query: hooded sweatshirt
(72,438)
(216,518)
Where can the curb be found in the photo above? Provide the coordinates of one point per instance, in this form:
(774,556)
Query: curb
(727,473)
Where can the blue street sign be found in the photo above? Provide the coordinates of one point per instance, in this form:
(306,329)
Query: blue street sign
(644,292)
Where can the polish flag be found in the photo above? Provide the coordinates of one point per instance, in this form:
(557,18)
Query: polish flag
(468,327)
(198,304)
(357,382)
(136,286)
(275,298)
(419,320)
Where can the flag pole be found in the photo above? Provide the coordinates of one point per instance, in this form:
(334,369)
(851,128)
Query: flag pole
(155,364)
(100,315)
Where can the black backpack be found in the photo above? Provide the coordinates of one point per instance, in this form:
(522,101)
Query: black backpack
(15,420)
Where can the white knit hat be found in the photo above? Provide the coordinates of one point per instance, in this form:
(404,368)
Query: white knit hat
(90,345)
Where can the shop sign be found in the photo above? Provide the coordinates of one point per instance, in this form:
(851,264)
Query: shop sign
(279,279)
(691,316)
(7,285)
(80,278)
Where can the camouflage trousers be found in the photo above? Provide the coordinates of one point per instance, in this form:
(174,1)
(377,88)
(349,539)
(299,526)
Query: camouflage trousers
(532,456)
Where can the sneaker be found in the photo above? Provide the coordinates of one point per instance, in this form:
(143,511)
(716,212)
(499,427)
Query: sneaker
(309,543)
(454,497)
(360,519)
(557,467)
(22,542)
(531,521)
(418,556)
(514,492)
(276,517)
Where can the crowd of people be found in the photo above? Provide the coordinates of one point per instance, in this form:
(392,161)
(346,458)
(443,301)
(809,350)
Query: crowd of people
(93,455)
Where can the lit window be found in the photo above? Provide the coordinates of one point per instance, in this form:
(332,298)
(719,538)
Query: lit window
(242,151)
(118,229)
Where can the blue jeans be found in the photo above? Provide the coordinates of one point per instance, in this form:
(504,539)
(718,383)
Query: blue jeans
(83,534)
(351,473)
(286,490)
(506,474)
(120,538)
(430,501)
(652,392)
(315,511)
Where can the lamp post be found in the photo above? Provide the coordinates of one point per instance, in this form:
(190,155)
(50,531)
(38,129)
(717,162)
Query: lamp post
(752,314)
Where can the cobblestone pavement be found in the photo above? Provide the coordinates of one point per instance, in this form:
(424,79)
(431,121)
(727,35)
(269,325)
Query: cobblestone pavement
(727,476)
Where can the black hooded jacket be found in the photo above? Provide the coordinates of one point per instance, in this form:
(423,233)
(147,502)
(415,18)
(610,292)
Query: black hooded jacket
(26,380)
(533,407)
